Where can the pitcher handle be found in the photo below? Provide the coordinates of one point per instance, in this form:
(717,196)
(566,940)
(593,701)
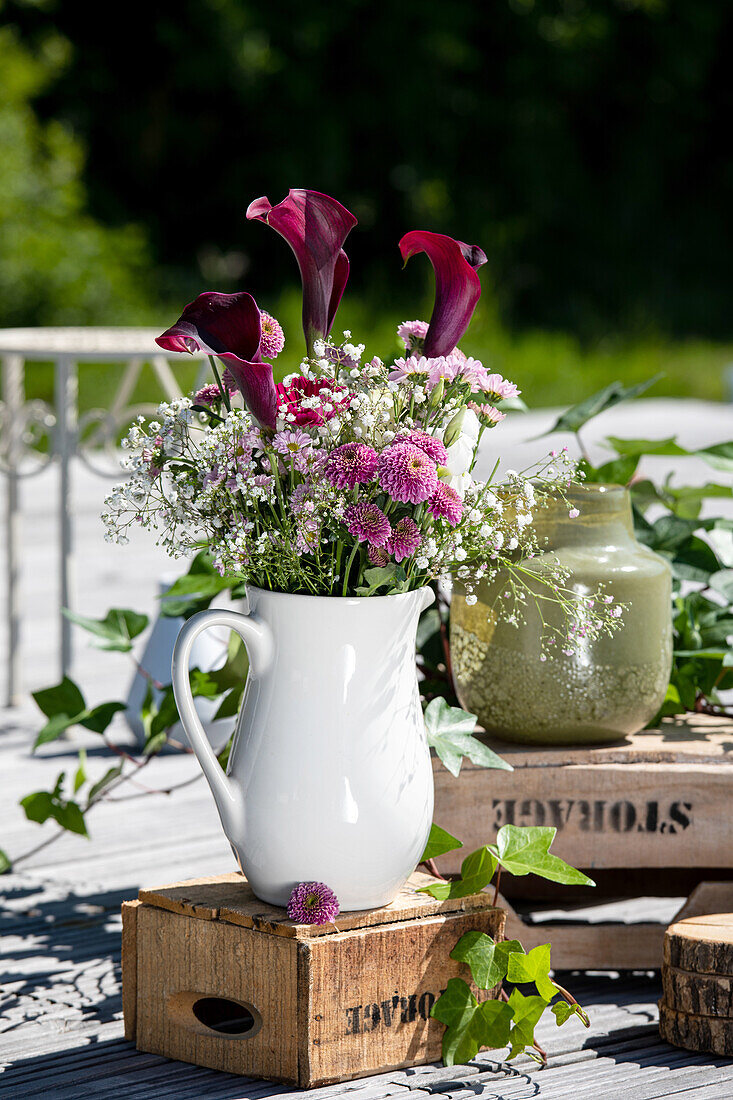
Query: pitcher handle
(258,641)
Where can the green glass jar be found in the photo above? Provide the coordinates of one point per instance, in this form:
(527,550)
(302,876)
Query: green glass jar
(615,684)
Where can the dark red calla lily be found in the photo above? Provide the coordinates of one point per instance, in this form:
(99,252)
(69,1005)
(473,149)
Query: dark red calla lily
(228,326)
(457,286)
(315,226)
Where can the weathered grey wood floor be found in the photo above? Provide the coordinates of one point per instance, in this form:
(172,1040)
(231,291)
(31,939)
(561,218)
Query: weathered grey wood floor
(60,1011)
(60,1021)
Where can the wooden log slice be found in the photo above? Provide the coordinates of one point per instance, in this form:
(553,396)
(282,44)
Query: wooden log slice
(700,994)
(712,1034)
(701,945)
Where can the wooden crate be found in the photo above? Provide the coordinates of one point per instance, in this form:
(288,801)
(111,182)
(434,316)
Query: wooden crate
(647,815)
(303,1004)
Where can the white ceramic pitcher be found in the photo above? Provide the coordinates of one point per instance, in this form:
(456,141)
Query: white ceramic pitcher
(329,777)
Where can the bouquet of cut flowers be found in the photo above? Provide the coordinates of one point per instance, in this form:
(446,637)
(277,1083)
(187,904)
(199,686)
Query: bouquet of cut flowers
(353,477)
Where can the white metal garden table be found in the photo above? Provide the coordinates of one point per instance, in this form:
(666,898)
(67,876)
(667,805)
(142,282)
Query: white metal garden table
(26,424)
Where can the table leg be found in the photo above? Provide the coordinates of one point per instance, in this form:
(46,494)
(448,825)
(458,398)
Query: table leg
(66,384)
(13,397)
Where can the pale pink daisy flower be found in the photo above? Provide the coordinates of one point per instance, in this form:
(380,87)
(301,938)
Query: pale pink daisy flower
(475,373)
(413,367)
(272,339)
(444,367)
(407,474)
(445,503)
(291,442)
(367,523)
(307,538)
(487,414)
(499,388)
(405,539)
(313,903)
(432,446)
(351,465)
(412,333)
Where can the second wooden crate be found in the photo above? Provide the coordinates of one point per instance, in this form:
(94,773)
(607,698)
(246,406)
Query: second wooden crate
(647,816)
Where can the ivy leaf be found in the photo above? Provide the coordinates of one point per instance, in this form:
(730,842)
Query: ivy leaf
(98,718)
(470,1025)
(562,1012)
(487,960)
(104,782)
(477,871)
(439,842)
(223,756)
(450,733)
(527,1012)
(65,698)
(233,672)
(380,577)
(456,1009)
(64,706)
(619,471)
(195,590)
(41,805)
(81,776)
(719,456)
(534,966)
(115,631)
(53,729)
(575,417)
(5,863)
(229,706)
(525,850)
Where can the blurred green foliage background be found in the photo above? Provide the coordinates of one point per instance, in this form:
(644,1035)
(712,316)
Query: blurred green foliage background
(581,143)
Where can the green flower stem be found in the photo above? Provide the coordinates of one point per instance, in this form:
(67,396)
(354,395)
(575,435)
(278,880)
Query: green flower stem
(222,391)
(348,568)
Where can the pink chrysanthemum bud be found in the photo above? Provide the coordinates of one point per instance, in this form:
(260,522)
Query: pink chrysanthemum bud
(367,523)
(445,503)
(208,395)
(405,539)
(407,474)
(313,903)
(378,555)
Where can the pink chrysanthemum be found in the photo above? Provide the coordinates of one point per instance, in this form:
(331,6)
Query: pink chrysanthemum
(350,465)
(313,903)
(378,555)
(434,448)
(412,334)
(405,539)
(407,474)
(272,339)
(208,395)
(367,523)
(227,380)
(445,503)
